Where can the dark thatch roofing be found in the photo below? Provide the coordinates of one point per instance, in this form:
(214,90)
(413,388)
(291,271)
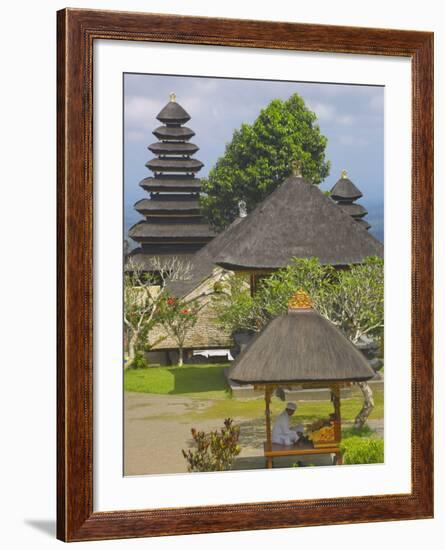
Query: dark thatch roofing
(174,165)
(363,223)
(167,184)
(354,210)
(155,206)
(297,220)
(202,263)
(165,148)
(144,260)
(344,189)
(144,231)
(173,132)
(300,346)
(173,113)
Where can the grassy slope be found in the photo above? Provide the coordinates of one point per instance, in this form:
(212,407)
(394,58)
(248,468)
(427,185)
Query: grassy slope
(203,381)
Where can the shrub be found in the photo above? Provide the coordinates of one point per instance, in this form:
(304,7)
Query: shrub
(139,362)
(362,450)
(215,450)
(351,431)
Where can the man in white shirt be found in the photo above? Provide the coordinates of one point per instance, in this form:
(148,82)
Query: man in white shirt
(282,433)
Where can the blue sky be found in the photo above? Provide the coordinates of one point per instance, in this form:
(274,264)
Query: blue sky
(351,117)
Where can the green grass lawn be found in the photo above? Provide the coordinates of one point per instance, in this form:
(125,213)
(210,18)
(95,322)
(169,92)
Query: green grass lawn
(203,381)
(207,382)
(307,410)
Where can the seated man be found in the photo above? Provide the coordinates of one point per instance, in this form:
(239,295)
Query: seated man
(282,433)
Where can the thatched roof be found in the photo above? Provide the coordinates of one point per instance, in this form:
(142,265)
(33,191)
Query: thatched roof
(187,206)
(173,113)
(174,165)
(298,347)
(171,184)
(143,258)
(344,189)
(203,263)
(174,132)
(145,231)
(354,210)
(167,148)
(363,223)
(297,220)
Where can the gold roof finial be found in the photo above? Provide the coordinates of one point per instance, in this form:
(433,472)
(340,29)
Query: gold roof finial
(300,300)
(296,168)
(344,174)
(172,96)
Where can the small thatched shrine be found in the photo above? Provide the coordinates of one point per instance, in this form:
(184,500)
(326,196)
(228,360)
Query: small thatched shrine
(173,224)
(305,350)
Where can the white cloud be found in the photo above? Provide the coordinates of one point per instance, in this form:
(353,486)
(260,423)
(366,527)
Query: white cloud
(139,110)
(136,135)
(352,140)
(328,113)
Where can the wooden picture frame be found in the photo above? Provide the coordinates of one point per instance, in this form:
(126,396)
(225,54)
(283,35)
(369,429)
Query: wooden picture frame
(77,31)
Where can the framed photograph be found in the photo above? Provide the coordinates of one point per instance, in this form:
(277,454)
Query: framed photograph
(245,229)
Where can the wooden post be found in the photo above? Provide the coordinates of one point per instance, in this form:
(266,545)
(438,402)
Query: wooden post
(337,422)
(267,395)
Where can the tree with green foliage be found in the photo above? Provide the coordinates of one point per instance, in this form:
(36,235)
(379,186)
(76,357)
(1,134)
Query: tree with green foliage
(178,317)
(352,299)
(259,158)
(143,291)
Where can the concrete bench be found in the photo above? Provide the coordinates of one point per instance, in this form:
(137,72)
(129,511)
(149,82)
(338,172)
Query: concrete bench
(295,450)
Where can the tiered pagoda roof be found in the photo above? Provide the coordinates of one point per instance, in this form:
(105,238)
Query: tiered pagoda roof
(173,223)
(345,193)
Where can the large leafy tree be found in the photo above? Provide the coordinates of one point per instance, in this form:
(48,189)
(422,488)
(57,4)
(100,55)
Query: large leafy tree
(260,156)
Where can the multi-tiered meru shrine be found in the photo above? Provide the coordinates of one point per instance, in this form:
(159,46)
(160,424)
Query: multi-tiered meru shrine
(345,193)
(173,224)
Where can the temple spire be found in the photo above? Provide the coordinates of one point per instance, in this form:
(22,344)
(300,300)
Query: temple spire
(173,223)
(345,193)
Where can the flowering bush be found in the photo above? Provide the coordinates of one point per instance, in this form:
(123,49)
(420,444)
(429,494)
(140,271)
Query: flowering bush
(178,317)
(215,451)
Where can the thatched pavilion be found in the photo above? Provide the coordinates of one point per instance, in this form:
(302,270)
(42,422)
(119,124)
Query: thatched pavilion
(301,349)
(296,220)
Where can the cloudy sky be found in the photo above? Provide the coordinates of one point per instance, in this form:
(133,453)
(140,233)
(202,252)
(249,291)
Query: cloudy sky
(351,117)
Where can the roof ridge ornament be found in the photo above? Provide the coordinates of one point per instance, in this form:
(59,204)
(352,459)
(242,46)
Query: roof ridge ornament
(300,300)
(344,174)
(173,97)
(242,209)
(296,168)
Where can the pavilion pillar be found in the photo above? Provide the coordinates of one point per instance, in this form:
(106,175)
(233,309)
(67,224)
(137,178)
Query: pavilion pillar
(335,390)
(267,397)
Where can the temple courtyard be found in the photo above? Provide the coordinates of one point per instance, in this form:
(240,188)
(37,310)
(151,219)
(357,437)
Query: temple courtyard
(158,422)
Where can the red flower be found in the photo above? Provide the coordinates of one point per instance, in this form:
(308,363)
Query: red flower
(171,301)
(184,311)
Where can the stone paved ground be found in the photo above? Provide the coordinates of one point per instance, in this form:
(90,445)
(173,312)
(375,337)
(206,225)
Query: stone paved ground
(157,427)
